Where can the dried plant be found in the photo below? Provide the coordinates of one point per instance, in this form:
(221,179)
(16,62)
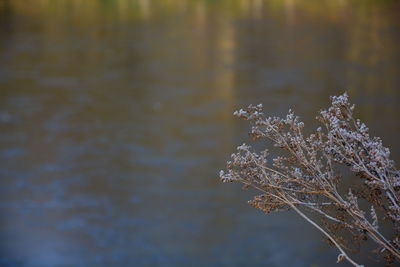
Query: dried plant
(306,176)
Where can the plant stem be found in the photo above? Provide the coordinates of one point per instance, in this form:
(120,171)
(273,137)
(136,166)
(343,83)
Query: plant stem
(343,253)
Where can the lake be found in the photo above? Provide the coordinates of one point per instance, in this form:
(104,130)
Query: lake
(116,117)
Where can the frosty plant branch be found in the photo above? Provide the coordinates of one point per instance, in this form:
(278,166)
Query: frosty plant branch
(305,176)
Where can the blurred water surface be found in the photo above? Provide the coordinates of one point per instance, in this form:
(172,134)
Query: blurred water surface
(116,116)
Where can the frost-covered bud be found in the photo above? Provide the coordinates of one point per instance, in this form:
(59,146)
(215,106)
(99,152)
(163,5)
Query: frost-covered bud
(243,147)
(340,100)
(240,113)
(226,177)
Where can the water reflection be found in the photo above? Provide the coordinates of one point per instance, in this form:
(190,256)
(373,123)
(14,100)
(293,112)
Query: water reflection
(115,117)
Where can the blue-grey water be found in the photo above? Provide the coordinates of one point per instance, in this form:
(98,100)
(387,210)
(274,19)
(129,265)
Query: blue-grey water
(116,117)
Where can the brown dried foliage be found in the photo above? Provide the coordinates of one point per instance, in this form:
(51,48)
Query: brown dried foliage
(306,177)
